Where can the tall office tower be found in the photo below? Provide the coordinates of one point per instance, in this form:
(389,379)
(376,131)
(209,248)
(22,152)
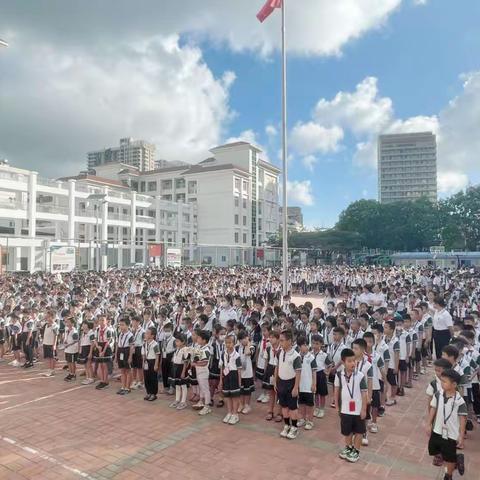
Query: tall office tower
(407,167)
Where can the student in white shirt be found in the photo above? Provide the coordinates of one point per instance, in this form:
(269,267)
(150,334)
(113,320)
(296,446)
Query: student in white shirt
(230,380)
(321,361)
(71,348)
(151,363)
(446,424)
(351,403)
(125,354)
(442,326)
(87,337)
(247,385)
(308,387)
(50,337)
(137,360)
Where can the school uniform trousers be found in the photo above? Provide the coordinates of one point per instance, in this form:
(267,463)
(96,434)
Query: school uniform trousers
(150,378)
(27,347)
(167,369)
(441,338)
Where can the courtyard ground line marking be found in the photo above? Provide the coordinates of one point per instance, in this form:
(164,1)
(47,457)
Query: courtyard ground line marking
(44,456)
(41,398)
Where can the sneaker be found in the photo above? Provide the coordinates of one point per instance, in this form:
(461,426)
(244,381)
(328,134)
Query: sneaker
(198,406)
(373,428)
(353,455)
(181,406)
(28,365)
(344,453)
(365,440)
(390,403)
(284,432)
(301,423)
(315,412)
(233,420)
(173,404)
(460,463)
(293,433)
(321,413)
(120,392)
(266,398)
(308,425)
(68,378)
(88,381)
(205,410)
(260,398)
(15,363)
(99,386)
(381,411)
(104,385)
(49,373)
(151,398)
(447,477)
(170,391)
(226,419)
(332,405)
(246,409)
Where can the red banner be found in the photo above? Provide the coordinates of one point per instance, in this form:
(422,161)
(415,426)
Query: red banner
(155,250)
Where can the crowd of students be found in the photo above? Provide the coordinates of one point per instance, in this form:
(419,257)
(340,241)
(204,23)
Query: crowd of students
(223,334)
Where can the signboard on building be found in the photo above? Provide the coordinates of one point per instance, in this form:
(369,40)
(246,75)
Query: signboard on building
(62,259)
(155,250)
(174,257)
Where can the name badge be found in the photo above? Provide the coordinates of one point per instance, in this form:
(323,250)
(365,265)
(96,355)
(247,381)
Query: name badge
(121,357)
(445,433)
(145,365)
(351,406)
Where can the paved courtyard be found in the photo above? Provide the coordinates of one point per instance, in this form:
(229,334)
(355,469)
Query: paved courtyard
(53,430)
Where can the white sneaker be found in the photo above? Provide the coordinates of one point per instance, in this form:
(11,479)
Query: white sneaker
(88,381)
(365,440)
(205,410)
(233,420)
(260,398)
(226,419)
(14,363)
(301,423)
(266,398)
(321,413)
(174,404)
(292,434)
(284,432)
(240,409)
(48,373)
(246,409)
(374,428)
(308,425)
(315,412)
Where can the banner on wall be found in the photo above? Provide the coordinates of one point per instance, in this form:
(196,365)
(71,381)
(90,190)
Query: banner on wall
(174,257)
(62,259)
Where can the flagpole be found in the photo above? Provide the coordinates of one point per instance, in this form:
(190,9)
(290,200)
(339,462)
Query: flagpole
(284,156)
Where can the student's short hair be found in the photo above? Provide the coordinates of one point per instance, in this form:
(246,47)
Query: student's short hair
(346,353)
(391,324)
(378,327)
(218,328)
(339,330)
(398,319)
(468,334)
(317,338)
(153,331)
(460,343)
(439,301)
(242,334)
(452,375)
(168,325)
(136,318)
(442,363)
(364,316)
(361,343)
(275,335)
(287,334)
(203,334)
(369,335)
(125,320)
(301,340)
(423,305)
(451,351)
(182,337)
(332,320)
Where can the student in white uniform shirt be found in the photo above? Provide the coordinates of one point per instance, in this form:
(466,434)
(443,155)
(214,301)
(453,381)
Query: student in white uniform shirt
(308,385)
(50,337)
(247,385)
(125,354)
(137,360)
(87,337)
(446,424)
(226,312)
(71,348)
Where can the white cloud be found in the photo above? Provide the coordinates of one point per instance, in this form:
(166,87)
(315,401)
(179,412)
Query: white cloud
(451,181)
(271,131)
(309,138)
(365,114)
(300,192)
(58,106)
(309,162)
(419,3)
(316,27)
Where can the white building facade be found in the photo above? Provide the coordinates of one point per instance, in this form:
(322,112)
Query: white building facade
(113,228)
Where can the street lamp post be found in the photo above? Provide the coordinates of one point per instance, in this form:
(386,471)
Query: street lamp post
(100,200)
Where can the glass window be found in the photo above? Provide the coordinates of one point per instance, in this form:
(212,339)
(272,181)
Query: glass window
(152,186)
(237,184)
(180,197)
(179,183)
(244,238)
(244,203)
(237,201)
(192,186)
(166,184)
(244,220)
(245,185)
(236,237)
(236,219)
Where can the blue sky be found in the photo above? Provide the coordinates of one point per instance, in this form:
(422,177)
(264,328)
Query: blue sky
(417,57)
(190,75)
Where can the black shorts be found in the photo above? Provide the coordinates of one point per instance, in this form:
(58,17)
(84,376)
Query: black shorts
(376,399)
(331,378)
(268,377)
(247,386)
(402,365)
(391,377)
(284,394)
(107,357)
(71,357)
(260,374)
(137,358)
(446,448)
(382,386)
(352,424)
(123,355)
(83,355)
(322,387)
(418,356)
(424,350)
(230,385)
(48,351)
(305,398)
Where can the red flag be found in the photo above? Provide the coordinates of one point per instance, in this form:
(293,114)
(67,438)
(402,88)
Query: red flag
(268,8)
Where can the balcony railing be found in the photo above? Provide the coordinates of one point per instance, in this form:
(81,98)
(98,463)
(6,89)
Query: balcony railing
(12,204)
(41,207)
(17,177)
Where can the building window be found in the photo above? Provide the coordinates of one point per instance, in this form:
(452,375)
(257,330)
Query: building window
(244,203)
(152,186)
(192,186)
(236,237)
(259,208)
(244,220)
(259,224)
(237,184)
(236,219)
(244,238)
(224,258)
(245,185)
(167,197)
(180,197)
(179,183)
(237,201)
(166,184)
(142,186)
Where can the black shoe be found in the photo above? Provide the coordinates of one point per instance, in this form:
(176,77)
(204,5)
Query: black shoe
(460,463)
(99,386)
(151,398)
(28,365)
(447,477)
(381,411)
(469,426)
(68,377)
(146,397)
(120,392)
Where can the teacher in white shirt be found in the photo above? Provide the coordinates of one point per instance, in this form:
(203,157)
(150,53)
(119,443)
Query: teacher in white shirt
(442,326)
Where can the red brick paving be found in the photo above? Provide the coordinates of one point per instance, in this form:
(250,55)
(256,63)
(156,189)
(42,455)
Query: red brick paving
(67,432)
